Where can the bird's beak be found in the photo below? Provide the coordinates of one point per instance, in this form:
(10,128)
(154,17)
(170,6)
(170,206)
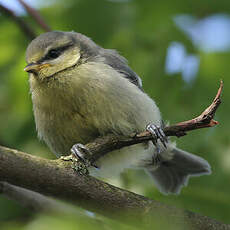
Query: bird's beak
(35,67)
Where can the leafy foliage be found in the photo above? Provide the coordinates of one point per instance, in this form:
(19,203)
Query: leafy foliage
(141,31)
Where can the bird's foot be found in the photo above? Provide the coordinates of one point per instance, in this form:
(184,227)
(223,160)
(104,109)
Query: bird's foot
(80,156)
(158,133)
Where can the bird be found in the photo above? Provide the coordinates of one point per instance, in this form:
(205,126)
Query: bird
(81,91)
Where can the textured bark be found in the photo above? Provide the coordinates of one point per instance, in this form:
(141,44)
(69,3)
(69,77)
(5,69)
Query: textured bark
(56,178)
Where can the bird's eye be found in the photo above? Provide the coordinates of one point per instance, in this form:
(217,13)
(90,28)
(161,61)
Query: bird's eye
(52,54)
(55,53)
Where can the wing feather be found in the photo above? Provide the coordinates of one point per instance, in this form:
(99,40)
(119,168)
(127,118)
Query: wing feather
(120,64)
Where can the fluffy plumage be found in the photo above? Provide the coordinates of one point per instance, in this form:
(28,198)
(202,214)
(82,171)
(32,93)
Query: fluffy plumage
(81,91)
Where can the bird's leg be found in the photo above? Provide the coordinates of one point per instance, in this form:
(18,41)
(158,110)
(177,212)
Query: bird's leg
(157,133)
(80,156)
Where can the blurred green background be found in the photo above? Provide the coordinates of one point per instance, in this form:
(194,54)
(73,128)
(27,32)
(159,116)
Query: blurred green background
(180,49)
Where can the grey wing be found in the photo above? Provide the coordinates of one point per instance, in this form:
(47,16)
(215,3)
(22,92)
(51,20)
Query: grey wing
(119,63)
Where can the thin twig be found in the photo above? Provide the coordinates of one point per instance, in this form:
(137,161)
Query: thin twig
(27,30)
(103,145)
(205,120)
(36,16)
(56,178)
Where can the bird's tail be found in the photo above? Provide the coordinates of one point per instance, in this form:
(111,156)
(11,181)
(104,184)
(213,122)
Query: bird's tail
(172,175)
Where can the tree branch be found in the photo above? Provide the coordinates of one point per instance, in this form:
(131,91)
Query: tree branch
(56,178)
(103,145)
(36,16)
(27,30)
(205,120)
(36,201)
(27,198)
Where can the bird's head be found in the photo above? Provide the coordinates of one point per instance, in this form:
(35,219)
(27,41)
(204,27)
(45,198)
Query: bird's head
(53,52)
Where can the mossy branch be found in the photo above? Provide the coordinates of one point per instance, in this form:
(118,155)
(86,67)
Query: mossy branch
(56,178)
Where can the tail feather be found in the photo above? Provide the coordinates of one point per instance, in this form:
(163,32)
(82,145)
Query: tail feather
(172,175)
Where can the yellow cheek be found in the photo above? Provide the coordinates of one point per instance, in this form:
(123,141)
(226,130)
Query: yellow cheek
(44,66)
(47,70)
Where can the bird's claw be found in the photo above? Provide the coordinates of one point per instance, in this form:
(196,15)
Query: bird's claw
(157,133)
(80,156)
(81,152)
